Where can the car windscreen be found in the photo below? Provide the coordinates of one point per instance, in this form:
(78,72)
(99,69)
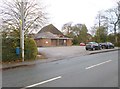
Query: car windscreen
(92,43)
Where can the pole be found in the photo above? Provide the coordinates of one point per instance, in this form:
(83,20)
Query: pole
(99,18)
(22,29)
(119,16)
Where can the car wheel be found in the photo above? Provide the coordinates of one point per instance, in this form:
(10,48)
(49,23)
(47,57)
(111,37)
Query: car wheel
(103,47)
(100,48)
(93,49)
(86,49)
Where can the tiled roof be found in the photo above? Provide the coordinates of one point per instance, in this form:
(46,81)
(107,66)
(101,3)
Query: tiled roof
(46,35)
(52,29)
(49,35)
(50,32)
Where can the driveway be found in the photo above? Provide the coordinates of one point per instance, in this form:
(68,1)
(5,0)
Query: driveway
(63,52)
(68,51)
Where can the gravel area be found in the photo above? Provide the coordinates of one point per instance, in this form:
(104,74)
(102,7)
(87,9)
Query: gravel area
(62,52)
(67,51)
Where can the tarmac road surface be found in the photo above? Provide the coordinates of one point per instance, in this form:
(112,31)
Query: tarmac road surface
(97,70)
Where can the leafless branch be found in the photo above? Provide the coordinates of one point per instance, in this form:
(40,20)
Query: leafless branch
(33,14)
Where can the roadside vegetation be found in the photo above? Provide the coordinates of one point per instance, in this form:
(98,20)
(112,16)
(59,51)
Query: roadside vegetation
(105,29)
(35,17)
(78,32)
(9,50)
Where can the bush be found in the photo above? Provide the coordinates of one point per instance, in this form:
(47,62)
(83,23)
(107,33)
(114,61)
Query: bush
(9,49)
(30,49)
(117,44)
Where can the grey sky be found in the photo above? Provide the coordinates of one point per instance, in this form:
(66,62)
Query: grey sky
(77,11)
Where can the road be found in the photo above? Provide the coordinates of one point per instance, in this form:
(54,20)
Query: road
(97,70)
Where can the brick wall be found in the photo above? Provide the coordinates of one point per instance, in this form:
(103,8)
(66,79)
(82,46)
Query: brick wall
(69,42)
(43,42)
(53,42)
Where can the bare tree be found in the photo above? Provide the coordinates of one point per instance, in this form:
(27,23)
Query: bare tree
(119,16)
(67,28)
(34,15)
(100,19)
(93,30)
(77,29)
(110,19)
(101,22)
(113,16)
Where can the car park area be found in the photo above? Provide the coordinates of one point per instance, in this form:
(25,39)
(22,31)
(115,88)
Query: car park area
(69,51)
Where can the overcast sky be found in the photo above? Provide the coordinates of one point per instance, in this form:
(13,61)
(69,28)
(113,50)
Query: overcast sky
(77,11)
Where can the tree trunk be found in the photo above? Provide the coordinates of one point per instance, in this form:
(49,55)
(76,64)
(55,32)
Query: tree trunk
(115,33)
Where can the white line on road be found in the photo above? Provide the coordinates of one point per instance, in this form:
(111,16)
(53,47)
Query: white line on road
(97,64)
(33,85)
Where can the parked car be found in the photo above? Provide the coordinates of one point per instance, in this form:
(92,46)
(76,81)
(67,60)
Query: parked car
(107,45)
(93,46)
(82,44)
(103,45)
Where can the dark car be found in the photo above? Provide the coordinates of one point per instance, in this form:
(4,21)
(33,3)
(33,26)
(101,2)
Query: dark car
(107,45)
(103,45)
(93,46)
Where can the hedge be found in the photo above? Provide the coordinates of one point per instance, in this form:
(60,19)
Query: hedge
(9,49)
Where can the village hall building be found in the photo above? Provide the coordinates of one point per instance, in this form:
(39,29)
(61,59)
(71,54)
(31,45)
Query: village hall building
(51,36)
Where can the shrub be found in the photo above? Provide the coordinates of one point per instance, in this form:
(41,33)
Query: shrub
(30,49)
(117,44)
(9,49)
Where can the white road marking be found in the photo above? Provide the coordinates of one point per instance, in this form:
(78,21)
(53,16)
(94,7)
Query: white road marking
(33,85)
(98,64)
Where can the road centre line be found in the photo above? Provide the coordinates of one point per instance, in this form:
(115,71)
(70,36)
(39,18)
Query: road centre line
(52,79)
(98,64)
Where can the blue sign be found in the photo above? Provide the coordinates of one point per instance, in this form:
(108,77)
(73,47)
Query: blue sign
(17,50)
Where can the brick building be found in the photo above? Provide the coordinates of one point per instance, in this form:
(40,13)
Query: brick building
(51,36)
